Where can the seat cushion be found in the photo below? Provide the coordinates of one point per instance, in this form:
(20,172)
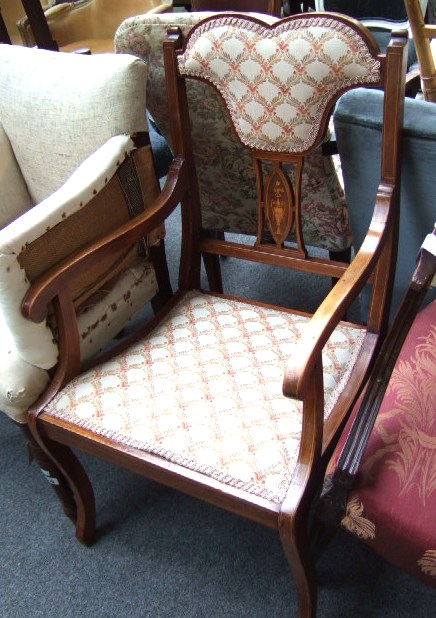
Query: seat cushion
(393,504)
(204,390)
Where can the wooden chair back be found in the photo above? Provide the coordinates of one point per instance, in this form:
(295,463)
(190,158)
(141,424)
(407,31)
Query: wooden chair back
(279,131)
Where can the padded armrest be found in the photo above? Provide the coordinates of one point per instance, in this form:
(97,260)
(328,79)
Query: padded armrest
(34,342)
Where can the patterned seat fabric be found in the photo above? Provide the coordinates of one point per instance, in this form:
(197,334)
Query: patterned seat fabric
(205,390)
(225,169)
(392,507)
(271,79)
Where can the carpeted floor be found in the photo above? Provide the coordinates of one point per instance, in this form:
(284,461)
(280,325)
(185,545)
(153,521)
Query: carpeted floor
(161,554)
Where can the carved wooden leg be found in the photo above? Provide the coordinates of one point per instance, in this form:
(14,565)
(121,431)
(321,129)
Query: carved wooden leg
(297,549)
(69,480)
(81,488)
(51,473)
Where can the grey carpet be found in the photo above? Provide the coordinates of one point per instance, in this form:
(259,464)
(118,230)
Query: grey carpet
(161,554)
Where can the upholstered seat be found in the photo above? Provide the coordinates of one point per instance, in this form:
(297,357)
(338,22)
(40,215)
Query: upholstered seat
(213,367)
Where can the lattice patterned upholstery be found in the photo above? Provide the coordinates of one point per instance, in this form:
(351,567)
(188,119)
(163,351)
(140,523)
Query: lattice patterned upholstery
(225,170)
(205,391)
(393,503)
(273,93)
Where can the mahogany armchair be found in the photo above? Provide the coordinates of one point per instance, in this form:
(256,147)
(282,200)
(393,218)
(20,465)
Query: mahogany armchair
(234,401)
(381,480)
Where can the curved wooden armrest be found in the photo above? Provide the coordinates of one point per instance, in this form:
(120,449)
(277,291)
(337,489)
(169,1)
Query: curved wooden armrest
(333,499)
(337,302)
(54,282)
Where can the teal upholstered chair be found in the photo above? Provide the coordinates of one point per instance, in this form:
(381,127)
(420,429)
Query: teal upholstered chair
(358,128)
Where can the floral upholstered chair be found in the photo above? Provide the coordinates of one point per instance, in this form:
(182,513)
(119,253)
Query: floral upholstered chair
(68,150)
(231,400)
(225,170)
(380,483)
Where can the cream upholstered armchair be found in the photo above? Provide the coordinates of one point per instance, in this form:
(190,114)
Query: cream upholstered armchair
(225,170)
(68,151)
(89,24)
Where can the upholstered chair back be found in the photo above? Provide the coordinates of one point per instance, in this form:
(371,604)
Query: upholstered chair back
(225,170)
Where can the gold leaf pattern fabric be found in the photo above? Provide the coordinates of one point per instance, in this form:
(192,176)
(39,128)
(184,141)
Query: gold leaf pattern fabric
(204,390)
(413,385)
(277,82)
(356,523)
(395,491)
(428,563)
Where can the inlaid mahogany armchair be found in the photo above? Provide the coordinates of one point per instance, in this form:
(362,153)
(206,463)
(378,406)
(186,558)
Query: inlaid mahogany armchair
(234,401)
(74,165)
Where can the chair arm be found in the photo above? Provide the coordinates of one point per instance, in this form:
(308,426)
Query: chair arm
(333,499)
(308,349)
(34,343)
(57,280)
